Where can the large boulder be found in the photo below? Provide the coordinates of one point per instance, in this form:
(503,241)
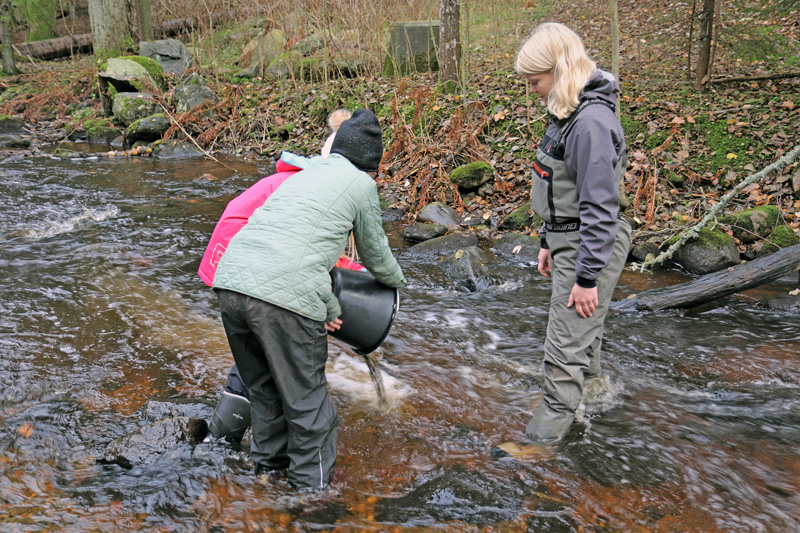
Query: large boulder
(710,251)
(96,130)
(472,175)
(192,92)
(130,107)
(262,52)
(439,213)
(175,149)
(751,225)
(413,47)
(128,74)
(171,54)
(150,442)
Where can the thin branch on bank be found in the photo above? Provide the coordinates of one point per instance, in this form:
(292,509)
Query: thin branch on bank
(692,232)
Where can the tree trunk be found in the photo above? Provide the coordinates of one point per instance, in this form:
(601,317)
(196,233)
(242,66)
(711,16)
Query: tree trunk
(58,47)
(7,38)
(716,285)
(615,48)
(703,73)
(449,44)
(111,26)
(144,20)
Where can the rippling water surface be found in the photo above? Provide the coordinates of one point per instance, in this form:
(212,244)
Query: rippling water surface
(694,427)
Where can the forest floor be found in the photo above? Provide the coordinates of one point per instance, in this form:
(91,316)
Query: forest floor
(687,146)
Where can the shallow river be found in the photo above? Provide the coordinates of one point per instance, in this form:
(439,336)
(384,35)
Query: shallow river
(696,426)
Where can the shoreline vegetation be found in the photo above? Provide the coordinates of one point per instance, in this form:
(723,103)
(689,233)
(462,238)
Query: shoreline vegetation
(688,146)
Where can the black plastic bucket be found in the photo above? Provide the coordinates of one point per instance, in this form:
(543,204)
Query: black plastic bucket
(368,309)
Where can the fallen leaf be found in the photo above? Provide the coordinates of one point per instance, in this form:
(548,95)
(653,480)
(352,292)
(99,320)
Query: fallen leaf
(794,292)
(459,254)
(486,216)
(26,430)
(731,156)
(516,249)
(788,104)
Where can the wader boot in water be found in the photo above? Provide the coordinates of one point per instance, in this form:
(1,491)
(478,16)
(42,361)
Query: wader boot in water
(281,357)
(572,342)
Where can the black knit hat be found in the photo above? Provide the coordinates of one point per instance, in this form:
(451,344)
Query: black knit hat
(359,140)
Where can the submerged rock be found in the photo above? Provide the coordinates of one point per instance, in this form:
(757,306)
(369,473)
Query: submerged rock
(457,495)
(520,247)
(148,443)
(446,244)
(469,268)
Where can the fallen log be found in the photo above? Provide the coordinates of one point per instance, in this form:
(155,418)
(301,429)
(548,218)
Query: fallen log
(83,43)
(716,285)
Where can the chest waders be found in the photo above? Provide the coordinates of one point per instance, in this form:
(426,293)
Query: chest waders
(572,347)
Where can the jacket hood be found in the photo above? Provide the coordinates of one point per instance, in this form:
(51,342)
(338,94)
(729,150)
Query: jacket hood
(602,85)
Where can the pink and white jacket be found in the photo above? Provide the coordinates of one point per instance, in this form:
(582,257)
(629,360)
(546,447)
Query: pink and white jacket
(238,212)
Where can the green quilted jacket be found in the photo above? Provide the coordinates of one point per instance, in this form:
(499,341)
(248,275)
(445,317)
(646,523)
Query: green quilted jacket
(285,252)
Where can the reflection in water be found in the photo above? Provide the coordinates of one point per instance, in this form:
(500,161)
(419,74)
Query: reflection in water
(693,427)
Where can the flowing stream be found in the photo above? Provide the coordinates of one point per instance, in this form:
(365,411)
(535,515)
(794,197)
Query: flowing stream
(695,425)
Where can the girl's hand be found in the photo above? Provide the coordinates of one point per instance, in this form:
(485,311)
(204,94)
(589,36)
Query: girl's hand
(585,300)
(334,324)
(544,262)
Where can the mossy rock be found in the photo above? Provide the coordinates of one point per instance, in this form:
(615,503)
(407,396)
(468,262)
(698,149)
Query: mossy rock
(753,224)
(710,251)
(283,66)
(472,175)
(520,218)
(152,67)
(782,237)
(310,69)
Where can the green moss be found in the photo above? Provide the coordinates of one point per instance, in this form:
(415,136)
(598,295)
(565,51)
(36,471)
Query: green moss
(152,67)
(782,237)
(714,237)
(472,174)
(631,127)
(722,143)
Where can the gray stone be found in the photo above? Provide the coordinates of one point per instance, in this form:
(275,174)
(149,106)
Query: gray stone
(520,247)
(150,442)
(310,44)
(472,175)
(130,107)
(421,231)
(102,134)
(713,250)
(14,141)
(175,149)
(171,54)
(640,252)
(785,302)
(439,213)
(284,65)
(444,245)
(11,125)
(413,47)
(147,129)
(192,92)
(155,410)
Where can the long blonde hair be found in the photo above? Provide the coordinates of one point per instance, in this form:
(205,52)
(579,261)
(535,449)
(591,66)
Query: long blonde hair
(552,47)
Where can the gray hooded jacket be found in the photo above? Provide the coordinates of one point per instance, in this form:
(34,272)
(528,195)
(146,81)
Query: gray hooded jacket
(592,148)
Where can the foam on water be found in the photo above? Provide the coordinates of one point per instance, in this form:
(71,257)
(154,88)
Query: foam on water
(50,228)
(349,374)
